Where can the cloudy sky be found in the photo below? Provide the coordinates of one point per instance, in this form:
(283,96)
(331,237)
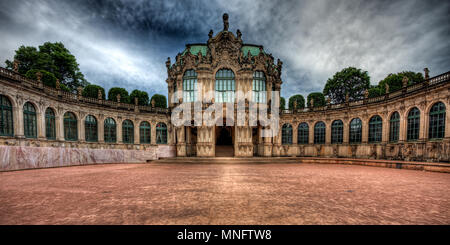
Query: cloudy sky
(125,43)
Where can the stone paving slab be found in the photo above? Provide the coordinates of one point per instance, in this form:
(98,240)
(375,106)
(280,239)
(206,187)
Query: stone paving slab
(223,194)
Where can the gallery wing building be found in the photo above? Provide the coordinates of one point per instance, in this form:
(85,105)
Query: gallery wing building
(43,126)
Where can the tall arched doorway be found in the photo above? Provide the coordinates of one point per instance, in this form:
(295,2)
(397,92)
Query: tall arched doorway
(224,141)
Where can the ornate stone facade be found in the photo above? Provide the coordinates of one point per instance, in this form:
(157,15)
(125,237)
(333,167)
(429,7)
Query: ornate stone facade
(224,51)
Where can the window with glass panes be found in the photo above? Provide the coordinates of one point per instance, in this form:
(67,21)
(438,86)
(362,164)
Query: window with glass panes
(70,126)
(375,129)
(355,131)
(90,128)
(286,134)
(413,127)
(110,130)
(50,129)
(127,132)
(337,132)
(6,117)
(225,86)
(259,87)
(319,133)
(145,132)
(437,121)
(303,133)
(161,133)
(29,120)
(190,86)
(394,127)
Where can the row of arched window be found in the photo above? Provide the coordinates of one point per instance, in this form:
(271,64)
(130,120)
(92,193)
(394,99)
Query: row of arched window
(225,86)
(71,126)
(436,128)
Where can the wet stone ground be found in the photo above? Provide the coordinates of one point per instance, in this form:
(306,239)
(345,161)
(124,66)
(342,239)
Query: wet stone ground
(224,194)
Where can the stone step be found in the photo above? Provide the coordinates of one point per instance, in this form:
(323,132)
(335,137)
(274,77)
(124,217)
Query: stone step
(426,166)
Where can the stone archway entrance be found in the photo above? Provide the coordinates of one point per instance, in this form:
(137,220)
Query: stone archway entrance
(224,141)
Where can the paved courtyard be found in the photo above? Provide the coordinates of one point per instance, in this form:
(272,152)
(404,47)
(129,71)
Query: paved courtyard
(224,194)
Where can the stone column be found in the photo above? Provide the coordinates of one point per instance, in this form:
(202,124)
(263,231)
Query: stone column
(311,133)
(119,130)
(423,124)
(137,139)
(385,131)
(327,132)
(365,131)
(346,132)
(153,133)
(59,121)
(40,120)
(447,121)
(294,133)
(18,122)
(403,125)
(101,129)
(81,129)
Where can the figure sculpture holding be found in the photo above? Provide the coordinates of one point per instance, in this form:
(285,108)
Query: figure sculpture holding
(225,22)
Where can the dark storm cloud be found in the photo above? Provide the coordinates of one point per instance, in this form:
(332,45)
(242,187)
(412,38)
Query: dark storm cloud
(125,43)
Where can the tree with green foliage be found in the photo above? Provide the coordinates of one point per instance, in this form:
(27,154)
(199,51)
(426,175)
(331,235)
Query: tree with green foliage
(53,58)
(300,102)
(160,100)
(141,95)
(282,103)
(319,99)
(47,78)
(395,81)
(91,91)
(374,91)
(124,97)
(350,80)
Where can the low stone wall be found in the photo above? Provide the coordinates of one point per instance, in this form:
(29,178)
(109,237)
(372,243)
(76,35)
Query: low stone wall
(431,151)
(28,157)
(425,166)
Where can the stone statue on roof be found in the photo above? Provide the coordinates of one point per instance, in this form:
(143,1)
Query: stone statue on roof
(225,22)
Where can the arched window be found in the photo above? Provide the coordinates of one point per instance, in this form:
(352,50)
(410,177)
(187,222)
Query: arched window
(50,129)
(375,129)
(29,120)
(303,133)
(337,132)
(412,132)
(355,131)
(259,87)
(145,132)
(161,133)
(225,86)
(394,127)
(286,134)
(90,128)
(110,130)
(70,126)
(127,132)
(190,86)
(6,117)
(319,133)
(437,121)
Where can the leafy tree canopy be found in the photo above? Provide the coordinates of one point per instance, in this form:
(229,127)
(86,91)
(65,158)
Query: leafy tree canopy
(350,80)
(282,103)
(160,100)
(319,99)
(53,58)
(300,102)
(91,91)
(395,81)
(141,95)
(47,78)
(124,97)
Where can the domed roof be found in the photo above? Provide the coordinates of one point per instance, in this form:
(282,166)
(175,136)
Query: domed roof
(195,48)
